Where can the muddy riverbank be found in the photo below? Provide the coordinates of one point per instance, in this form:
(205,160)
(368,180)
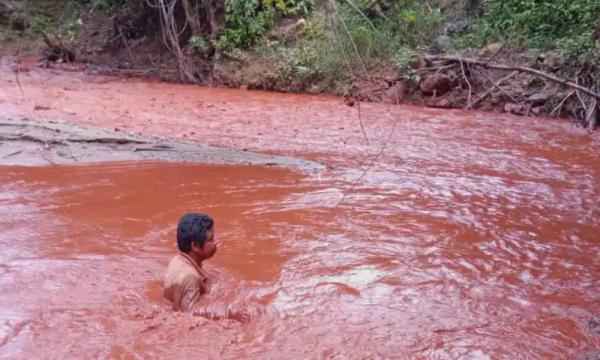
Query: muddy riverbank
(38,142)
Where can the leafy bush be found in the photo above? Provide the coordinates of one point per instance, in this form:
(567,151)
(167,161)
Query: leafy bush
(64,26)
(330,49)
(246,21)
(197,44)
(405,24)
(292,7)
(312,59)
(545,24)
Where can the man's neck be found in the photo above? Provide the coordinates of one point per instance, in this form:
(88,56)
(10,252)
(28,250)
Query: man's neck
(194,257)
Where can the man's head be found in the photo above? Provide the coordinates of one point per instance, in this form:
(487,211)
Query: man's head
(195,236)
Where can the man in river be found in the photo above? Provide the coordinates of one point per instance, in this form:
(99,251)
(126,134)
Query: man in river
(185,280)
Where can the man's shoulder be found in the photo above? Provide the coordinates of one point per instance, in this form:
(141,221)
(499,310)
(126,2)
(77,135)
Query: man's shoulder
(180,268)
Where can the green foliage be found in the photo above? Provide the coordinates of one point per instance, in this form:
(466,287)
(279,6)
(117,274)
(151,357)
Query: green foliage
(330,49)
(292,7)
(405,25)
(65,26)
(403,57)
(312,58)
(248,20)
(415,23)
(563,24)
(198,44)
(105,5)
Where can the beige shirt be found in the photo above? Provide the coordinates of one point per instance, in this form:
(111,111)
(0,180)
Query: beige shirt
(184,282)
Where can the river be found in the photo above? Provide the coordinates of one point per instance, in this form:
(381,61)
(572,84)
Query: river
(443,234)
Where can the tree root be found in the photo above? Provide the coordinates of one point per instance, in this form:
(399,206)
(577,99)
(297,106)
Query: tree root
(58,50)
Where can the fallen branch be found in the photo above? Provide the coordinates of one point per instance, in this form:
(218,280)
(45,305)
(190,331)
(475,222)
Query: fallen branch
(495,53)
(582,102)
(515,68)
(462,68)
(489,91)
(59,50)
(17,70)
(438,69)
(362,128)
(592,115)
(512,98)
(559,106)
(370,165)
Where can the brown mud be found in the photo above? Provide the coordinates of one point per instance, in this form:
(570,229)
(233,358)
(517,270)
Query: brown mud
(35,142)
(460,234)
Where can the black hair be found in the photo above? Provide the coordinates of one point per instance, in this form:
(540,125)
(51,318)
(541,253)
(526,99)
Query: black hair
(192,228)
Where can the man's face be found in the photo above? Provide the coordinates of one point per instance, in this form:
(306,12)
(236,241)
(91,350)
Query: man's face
(210,245)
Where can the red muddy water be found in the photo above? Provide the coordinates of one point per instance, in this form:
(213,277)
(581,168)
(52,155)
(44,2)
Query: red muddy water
(472,236)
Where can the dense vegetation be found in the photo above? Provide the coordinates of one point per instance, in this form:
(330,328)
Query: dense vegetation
(565,25)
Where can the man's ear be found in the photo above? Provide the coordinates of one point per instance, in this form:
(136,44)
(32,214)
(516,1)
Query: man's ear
(196,247)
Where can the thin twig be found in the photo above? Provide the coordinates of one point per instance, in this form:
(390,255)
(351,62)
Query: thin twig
(462,68)
(581,101)
(362,14)
(362,128)
(559,106)
(489,91)
(495,53)
(339,43)
(512,98)
(350,37)
(592,115)
(437,68)
(126,45)
(377,156)
(18,69)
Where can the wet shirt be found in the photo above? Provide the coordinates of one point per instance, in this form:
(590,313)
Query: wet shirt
(184,282)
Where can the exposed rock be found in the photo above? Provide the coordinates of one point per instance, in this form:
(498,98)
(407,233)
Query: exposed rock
(438,103)
(491,49)
(457,27)
(36,142)
(550,59)
(538,98)
(517,109)
(314,89)
(496,100)
(443,42)
(395,94)
(418,63)
(436,84)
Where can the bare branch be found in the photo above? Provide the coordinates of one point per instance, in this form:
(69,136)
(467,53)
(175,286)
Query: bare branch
(516,68)
(494,86)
